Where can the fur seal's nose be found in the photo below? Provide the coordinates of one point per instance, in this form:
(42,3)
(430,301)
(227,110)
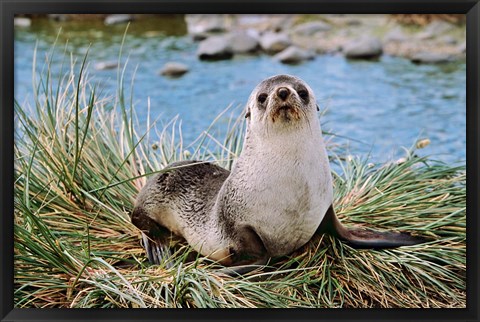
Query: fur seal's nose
(283,93)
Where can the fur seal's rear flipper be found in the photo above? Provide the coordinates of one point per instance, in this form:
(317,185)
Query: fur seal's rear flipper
(157,251)
(155,237)
(366,238)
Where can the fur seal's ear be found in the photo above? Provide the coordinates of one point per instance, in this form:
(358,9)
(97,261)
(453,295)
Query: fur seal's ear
(318,108)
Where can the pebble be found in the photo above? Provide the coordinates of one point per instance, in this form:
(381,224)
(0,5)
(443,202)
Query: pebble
(401,160)
(117,19)
(106,65)
(422,143)
(22,22)
(153,34)
(174,69)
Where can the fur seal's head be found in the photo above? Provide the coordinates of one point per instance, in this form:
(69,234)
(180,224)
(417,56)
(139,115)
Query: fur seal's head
(281,99)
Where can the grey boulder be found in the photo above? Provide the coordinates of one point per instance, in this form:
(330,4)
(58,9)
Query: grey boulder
(430,58)
(311,28)
(243,43)
(201,26)
(293,55)
(395,35)
(273,42)
(363,48)
(215,48)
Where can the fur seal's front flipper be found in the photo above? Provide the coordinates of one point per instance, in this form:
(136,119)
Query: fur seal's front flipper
(366,238)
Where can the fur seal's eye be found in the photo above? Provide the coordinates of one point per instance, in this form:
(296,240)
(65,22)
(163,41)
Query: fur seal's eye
(262,98)
(303,94)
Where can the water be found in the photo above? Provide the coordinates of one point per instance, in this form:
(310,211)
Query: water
(375,107)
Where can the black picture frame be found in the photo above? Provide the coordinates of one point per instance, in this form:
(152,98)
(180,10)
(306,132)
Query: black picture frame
(11,7)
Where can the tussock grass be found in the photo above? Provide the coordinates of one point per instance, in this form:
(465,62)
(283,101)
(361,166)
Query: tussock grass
(79,163)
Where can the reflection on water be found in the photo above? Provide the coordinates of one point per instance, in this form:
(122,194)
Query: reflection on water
(381,105)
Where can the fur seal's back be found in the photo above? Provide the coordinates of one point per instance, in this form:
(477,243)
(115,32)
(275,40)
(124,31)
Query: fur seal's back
(180,200)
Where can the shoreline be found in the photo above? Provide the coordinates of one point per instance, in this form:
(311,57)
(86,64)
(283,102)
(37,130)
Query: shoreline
(293,39)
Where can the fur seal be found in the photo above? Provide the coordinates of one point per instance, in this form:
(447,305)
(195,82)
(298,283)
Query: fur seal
(277,196)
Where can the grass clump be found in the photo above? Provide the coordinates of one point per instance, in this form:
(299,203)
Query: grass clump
(79,163)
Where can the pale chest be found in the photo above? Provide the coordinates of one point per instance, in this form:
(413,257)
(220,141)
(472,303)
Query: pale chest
(288,197)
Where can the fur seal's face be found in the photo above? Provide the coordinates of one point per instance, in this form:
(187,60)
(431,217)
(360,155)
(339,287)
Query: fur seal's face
(281,99)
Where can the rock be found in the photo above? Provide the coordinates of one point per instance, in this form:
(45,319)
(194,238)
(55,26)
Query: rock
(153,33)
(430,58)
(201,26)
(22,22)
(395,35)
(117,19)
(422,143)
(401,160)
(449,40)
(353,22)
(325,47)
(435,29)
(264,23)
(58,17)
(247,20)
(293,55)
(363,48)
(215,48)
(173,69)
(438,27)
(200,36)
(272,42)
(278,23)
(310,28)
(106,65)
(197,23)
(424,35)
(243,43)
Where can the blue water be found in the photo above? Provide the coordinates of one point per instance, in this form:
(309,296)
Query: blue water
(375,107)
